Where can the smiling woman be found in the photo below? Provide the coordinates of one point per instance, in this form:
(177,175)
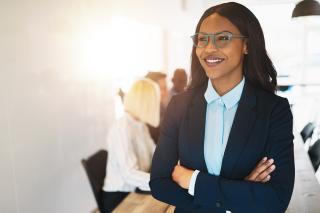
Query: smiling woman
(226,144)
(230,54)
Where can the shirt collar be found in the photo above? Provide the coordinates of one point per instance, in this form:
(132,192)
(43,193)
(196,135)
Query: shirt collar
(229,99)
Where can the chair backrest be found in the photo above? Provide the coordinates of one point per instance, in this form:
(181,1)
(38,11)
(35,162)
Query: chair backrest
(95,167)
(314,154)
(307,131)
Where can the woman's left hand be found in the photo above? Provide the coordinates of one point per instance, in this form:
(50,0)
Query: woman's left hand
(181,175)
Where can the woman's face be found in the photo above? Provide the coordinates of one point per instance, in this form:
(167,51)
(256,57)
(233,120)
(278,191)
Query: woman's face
(221,63)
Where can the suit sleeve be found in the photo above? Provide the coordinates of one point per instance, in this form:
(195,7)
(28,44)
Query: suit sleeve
(244,196)
(164,160)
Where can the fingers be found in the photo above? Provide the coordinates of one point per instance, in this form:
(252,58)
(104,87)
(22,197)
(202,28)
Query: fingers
(262,161)
(262,176)
(261,173)
(266,179)
(252,175)
(264,166)
(261,168)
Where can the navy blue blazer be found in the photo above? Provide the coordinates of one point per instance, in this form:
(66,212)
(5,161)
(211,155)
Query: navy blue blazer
(262,127)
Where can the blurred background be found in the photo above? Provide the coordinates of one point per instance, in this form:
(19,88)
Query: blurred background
(63,62)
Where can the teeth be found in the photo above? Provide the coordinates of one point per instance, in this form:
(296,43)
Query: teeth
(216,60)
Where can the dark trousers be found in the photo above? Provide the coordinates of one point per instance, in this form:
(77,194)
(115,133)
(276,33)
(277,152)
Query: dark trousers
(110,200)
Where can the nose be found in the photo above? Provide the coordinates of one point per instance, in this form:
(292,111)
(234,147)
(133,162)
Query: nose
(211,45)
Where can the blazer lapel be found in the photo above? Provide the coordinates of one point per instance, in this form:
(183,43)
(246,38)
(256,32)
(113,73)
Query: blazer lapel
(196,118)
(241,127)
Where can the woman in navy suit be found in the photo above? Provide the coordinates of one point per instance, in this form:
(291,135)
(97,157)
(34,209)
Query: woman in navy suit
(226,144)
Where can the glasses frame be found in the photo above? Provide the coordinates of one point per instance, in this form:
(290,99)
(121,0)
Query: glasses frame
(213,38)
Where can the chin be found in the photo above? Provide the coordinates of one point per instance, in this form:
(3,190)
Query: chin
(213,74)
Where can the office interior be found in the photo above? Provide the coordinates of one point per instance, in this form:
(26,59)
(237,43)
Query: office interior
(63,63)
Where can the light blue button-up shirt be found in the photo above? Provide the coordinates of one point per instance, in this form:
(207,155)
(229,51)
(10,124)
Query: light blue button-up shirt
(219,118)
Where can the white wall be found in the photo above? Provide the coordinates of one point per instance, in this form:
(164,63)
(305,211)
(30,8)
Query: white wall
(50,116)
(55,104)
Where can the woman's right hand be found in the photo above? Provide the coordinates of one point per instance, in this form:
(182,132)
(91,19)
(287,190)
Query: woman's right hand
(261,173)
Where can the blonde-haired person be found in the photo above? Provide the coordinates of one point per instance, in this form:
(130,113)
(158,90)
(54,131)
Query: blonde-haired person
(129,144)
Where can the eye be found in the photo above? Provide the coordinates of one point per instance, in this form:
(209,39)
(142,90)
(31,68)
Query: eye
(223,38)
(202,38)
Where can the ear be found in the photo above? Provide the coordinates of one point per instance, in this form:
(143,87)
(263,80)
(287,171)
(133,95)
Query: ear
(245,48)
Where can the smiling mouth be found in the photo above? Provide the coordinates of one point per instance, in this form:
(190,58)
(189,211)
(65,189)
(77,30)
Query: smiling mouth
(213,61)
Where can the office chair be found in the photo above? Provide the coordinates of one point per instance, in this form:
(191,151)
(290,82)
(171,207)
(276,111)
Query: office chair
(95,167)
(314,154)
(307,131)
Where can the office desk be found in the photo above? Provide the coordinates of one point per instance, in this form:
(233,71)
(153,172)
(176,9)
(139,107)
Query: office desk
(138,203)
(305,198)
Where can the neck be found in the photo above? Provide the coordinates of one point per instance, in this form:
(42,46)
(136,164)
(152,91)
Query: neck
(223,86)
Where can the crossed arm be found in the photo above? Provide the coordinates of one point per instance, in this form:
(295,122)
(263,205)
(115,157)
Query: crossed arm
(261,173)
(258,192)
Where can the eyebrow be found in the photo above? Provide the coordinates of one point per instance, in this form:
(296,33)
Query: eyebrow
(216,32)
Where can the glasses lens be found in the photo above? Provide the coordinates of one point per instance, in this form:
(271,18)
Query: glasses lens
(223,39)
(200,40)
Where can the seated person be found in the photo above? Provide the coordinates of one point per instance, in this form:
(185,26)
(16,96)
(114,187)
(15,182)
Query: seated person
(129,144)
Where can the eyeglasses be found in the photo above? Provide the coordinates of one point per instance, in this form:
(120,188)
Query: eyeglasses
(219,40)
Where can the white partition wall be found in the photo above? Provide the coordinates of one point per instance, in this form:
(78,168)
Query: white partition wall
(51,115)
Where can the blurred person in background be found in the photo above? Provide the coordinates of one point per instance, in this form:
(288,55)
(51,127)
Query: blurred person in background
(179,81)
(161,79)
(129,144)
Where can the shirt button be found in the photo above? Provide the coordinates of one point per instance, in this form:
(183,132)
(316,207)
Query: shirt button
(218,204)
